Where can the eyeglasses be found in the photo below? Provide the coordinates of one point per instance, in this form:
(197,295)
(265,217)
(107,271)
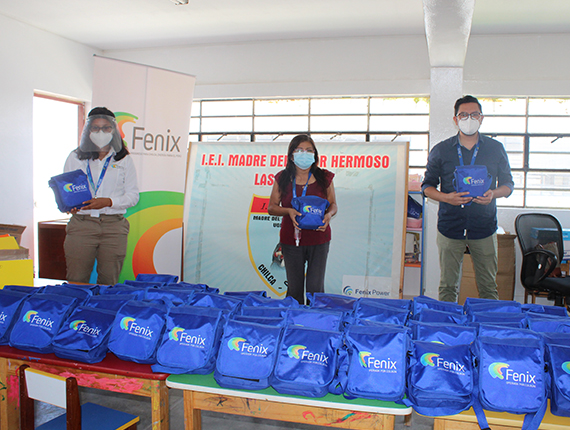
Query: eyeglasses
(464,115)
(299,150)
(105,128)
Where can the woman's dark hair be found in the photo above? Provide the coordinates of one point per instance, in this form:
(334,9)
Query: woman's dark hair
(290,170)
(100,111)
(93,155)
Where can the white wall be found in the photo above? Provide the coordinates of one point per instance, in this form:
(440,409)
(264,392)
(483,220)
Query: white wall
(31,60)
(495,65)
(399,65)
(360,65)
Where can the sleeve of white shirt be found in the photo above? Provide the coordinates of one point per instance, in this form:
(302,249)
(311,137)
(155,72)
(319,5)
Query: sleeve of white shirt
(130,197)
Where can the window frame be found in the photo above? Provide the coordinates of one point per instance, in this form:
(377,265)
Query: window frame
(371,135)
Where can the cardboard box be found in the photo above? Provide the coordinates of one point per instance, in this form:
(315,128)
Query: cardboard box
(551,235)
(506,272)
(15,266)
(12,230)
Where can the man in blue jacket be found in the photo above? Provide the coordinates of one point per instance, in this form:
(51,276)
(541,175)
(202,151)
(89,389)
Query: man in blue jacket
(463,220)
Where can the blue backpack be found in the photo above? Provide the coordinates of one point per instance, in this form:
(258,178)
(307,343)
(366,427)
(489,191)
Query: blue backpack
(278,322)
(547,323)
(372,310)
(215,301)
(432,315)
(545,309)
(123,289)
(244,294)
(10,305)
(201,287)
(510,319)
(323,319)
(447,334)
(488,305)
(137,331)
(377,362)
(23,289)
(111,302)
(331,301)
(257,300)
(263,311)
(142,284)
(474,179)
(311,208)
(81,294)
(178,296)
(558,356)
(423,302)
(512,375)
(191,340)
(40,319)
(247,355)
(71,189)
(440,378)
(84,336)
(306,361)
(157,277)
(395,303)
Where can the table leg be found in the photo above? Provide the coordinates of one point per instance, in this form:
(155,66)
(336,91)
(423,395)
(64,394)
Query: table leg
(9,408)
(192,416)
(160,409)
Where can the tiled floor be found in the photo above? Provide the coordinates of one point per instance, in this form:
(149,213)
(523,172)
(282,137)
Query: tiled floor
(210,420)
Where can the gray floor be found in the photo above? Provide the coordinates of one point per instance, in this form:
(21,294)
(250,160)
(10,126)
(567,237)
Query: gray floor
(210,420)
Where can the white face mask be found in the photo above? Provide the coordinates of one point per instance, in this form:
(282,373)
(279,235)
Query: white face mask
(469,126)
(101,138)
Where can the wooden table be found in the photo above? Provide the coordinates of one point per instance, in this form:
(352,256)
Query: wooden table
(497,421)
(201,392)
(111,374)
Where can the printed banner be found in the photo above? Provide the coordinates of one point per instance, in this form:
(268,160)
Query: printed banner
(152,107)
(232,243)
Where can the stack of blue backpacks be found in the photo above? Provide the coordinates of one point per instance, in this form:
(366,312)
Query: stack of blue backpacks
(439,358)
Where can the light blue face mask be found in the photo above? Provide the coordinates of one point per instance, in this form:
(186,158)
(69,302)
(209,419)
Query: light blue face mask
(303,160)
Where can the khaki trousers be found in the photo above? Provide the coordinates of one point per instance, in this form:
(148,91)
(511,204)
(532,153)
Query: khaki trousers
(485,263)
(103,239)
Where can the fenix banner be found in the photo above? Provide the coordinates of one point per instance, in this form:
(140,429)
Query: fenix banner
(152,107)
(232,243)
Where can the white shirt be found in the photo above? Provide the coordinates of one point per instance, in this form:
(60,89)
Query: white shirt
(119,183)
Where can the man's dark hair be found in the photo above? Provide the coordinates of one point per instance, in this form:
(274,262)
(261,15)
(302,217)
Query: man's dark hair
(466,99)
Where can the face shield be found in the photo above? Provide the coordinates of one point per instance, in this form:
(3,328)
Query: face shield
(100,131)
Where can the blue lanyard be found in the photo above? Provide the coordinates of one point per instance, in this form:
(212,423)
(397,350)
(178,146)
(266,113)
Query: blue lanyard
(304,188)
(460,155)
(90,176)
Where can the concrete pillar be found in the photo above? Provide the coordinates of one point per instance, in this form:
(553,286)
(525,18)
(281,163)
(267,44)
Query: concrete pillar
(446,88)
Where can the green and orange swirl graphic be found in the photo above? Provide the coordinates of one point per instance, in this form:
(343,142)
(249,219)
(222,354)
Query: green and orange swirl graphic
(156,213)
(122,118)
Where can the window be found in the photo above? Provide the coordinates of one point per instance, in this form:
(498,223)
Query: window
(536,136)
(330,119)
(534,131)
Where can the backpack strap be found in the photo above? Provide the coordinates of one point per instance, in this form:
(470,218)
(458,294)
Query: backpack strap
(478,409)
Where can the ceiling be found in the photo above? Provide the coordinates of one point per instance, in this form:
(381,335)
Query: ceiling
(131,24)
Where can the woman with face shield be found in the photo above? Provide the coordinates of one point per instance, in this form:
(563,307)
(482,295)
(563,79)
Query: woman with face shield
(99,230)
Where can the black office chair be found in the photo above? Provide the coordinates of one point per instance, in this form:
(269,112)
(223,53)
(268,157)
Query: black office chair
(542,246)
